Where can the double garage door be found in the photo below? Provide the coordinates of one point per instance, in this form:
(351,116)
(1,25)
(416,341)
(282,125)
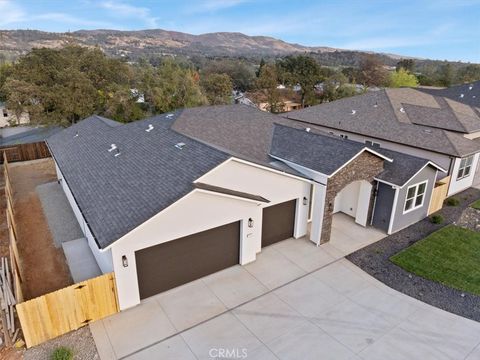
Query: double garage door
(171,264)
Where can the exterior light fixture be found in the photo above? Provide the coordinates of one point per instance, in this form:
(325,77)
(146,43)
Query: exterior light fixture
(250,223)
(305,201)
(124,261)
(330,206)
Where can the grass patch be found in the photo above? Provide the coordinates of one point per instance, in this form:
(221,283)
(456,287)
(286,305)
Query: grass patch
(450,256)
(476,205)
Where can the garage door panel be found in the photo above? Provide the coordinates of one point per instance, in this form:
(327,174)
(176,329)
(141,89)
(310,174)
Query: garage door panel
(171,264)
(278,222)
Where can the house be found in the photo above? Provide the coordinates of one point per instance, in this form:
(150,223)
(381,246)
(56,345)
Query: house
(408,121)
(8,118)
(468,94)
(175,197)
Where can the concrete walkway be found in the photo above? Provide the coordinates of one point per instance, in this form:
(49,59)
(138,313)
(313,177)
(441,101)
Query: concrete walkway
(66,232)
(297,301)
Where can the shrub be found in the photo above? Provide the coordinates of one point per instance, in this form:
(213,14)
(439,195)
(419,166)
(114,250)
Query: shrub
(62,353)
(453,201)
(436,219)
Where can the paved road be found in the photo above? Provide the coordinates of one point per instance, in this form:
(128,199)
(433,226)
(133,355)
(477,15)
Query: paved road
(338,312)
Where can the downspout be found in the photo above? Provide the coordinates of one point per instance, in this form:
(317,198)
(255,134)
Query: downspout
(375,194)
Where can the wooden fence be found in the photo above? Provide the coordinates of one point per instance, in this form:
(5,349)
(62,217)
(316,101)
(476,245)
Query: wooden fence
(24,152)
(439,194)
(12,233)
(67,309)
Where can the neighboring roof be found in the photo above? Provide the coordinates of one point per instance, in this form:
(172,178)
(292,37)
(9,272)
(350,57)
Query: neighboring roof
(240,130)
(320,152)
(402,168)
(225,191)
(468,94)
(118,193)
(394,115)
(30,135)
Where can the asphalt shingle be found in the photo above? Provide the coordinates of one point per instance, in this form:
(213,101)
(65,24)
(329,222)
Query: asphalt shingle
(118,193)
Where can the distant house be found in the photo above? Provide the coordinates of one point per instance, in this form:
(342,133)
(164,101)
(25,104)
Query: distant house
(8,117)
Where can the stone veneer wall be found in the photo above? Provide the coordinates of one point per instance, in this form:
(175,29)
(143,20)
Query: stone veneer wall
(365,167)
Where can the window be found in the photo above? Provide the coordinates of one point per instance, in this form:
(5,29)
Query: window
(465,167)
(415,197)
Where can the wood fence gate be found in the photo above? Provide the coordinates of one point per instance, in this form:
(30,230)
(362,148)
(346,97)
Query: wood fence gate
(67,309)
(439,194)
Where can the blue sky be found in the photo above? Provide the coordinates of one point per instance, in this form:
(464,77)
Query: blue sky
(439,29)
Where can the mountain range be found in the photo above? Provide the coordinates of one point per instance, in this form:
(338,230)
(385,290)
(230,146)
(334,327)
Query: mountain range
(147,43)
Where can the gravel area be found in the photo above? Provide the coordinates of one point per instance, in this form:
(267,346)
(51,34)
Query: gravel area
(374,259)
(80,341)
(60,217)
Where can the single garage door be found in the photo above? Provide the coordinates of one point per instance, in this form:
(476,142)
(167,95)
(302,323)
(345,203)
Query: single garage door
(278,222)
(165,266)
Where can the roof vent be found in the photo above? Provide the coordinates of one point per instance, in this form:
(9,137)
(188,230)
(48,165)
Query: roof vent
(112,147)
(462,95)
(307,129)
(76,135)
(428,131)
(470,87)
(354,112)
(169,116)
(402,110)
(375,105)
(180,145)
(150,128)
(473,96)
(117,153)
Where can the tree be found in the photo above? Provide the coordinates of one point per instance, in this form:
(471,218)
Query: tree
(262,64)
(304,71)
(403,78)
(170,87)
(336,87)
(242,74)
(267,83)
(465,74)
(62,86)
(5,72)
(372,72)
(406,64)
(217,88)
(445,75)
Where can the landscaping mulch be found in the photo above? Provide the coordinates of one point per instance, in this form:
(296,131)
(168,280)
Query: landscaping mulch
(375,260)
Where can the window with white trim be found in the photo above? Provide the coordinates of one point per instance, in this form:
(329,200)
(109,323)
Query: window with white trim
(415,196)
(465,167)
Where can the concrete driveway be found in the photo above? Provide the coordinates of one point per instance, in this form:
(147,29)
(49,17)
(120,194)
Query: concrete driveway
(337,312)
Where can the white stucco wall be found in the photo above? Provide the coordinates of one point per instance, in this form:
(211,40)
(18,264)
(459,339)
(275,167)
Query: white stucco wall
(202,210)
(460,185)
(197,211)
(273,186)
(103,258)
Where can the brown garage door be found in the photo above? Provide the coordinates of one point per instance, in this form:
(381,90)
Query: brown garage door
(278,222)
(165,266)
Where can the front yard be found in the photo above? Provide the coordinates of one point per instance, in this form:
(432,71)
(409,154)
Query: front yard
(450,256)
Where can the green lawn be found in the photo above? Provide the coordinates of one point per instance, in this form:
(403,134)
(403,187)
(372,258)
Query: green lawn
(476,205)
(450,256)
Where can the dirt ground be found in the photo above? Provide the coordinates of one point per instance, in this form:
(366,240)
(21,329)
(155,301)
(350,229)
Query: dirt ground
(45,267)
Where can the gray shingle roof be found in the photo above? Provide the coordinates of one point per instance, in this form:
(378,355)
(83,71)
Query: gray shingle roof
(401,169)
(326,154)
(322,153)
(380,115)
(470,92)
(116,194)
